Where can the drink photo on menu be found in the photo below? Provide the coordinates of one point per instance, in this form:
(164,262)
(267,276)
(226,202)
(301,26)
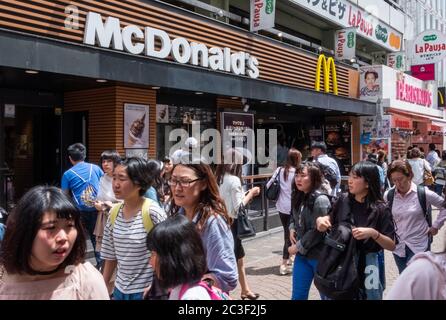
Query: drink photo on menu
(136,126)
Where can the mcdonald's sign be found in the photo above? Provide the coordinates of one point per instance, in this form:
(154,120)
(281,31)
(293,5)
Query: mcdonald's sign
(329,68)
(441,97)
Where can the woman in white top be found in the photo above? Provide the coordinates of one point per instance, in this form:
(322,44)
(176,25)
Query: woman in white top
(230,187)
(418,166)
(283,203)
(106,197)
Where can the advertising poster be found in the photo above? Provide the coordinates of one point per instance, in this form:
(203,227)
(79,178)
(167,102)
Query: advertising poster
(339,145)
(375,135)
(162,113)
(374,146)
(136,126)
(235,126)
(370,83)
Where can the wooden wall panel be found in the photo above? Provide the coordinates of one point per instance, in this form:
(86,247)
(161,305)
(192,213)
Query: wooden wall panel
(353,79)
(278,62)
(105,108)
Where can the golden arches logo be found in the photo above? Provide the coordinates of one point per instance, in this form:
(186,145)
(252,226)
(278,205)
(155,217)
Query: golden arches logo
(329,68)
(440,95)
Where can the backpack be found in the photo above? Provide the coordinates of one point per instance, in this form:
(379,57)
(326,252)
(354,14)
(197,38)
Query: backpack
(214,292)
(89,193)
(421,193)
(329,174)
(145,212)
(336,275)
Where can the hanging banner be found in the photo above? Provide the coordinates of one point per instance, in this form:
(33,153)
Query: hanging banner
(428,47)
(425,72)
(345,43)
(397,60)
(263,13)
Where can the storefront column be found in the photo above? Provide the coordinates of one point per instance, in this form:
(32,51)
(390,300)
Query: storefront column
(2,155)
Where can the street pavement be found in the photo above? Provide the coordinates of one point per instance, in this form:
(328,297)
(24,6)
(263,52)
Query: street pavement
(264,255)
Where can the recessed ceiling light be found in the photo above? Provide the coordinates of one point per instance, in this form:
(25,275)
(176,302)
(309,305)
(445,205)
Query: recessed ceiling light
(101,80)
(234,98)
(288,104)
(155,88)
(344,112)
(198,92)
(32,71)
(263,101)
(328,110)
(280,34)
(309,108)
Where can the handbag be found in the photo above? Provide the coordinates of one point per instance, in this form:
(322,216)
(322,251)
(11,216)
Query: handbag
(245,227)
(273,191)
(428,178)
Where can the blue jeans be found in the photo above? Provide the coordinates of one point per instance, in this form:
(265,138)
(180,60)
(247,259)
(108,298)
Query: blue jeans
(401,263)
(2,231)
(88,219)
(118,295)
(303,274)
(382,269)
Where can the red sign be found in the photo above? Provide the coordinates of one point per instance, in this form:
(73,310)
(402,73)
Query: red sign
(424,72)
(401,123)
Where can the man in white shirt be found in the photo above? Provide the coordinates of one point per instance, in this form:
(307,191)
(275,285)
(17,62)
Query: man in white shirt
(432,157)
(318,152)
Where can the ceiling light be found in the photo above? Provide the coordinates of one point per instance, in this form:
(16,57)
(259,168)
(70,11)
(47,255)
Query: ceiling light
(101,80)
(289,105)
(344,112)
(32,71)
(309,108)
(246,108)
(263,101)
(155,88)
(328,110)
(198,92)
(234,98)
(280,34)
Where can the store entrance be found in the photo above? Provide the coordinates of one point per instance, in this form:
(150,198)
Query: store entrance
(32,149)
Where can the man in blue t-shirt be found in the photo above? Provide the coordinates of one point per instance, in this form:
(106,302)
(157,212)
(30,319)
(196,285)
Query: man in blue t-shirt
(81,182)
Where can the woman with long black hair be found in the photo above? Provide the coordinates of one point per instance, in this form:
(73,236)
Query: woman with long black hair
(373,227)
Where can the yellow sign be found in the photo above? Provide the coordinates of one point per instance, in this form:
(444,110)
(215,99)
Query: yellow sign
(329,68)
(440,95)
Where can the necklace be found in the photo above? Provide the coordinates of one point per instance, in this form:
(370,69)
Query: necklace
(45,273)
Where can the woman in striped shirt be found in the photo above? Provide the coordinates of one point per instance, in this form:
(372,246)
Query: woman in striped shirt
(124,243)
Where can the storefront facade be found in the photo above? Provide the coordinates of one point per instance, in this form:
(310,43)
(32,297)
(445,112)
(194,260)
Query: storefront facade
(98,68)
(412,111)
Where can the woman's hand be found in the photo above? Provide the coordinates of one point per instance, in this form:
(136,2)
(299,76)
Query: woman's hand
(364,233)
(293,236)
(255,191)
(98,205)
(323,223)
(292,249)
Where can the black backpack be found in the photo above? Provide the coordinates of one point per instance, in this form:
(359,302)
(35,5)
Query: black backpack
(337,275)
(329,174)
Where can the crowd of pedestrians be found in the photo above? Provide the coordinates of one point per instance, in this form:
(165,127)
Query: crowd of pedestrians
(168,229)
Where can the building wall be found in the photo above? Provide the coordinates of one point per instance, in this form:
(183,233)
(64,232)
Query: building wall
(105,108)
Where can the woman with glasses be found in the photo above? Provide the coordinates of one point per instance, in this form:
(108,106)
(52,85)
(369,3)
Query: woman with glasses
(195,194)
(373,227)
(413,223)
(308,203)
(230,186)
(124,243)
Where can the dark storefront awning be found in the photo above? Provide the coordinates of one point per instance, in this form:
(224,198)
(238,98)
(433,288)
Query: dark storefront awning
(20,51)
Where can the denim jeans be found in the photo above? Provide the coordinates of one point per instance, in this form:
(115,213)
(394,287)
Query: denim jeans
(303,274)
(373,287)
(401,263)
(118,295)
(382,269)
(88,219)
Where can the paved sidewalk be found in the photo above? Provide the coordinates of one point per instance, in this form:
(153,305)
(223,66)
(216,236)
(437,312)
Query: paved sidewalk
(264,255)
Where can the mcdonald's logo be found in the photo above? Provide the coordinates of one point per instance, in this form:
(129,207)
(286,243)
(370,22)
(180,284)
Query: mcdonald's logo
(441,94)
(329,68)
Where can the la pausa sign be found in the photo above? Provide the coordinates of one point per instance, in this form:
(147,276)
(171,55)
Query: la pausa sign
(110,34)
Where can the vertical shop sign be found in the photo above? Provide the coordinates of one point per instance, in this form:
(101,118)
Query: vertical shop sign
(263,14)
(345,43)
(397,60)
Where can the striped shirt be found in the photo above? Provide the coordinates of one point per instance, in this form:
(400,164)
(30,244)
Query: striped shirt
(126,243)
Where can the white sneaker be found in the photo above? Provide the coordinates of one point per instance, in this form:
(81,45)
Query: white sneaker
(283,269)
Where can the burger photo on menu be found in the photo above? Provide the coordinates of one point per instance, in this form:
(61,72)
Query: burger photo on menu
(136,126)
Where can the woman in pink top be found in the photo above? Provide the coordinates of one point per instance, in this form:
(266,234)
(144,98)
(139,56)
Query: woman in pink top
(423,279)
(43,251)
(412,227)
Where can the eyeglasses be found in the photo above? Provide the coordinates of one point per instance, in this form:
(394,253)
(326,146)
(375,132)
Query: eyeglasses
(182,183)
